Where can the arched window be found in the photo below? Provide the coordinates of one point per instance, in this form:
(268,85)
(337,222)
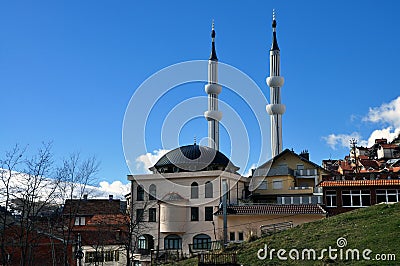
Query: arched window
(152,192)
(209,189)
(145,244)
(140,193)
(194,191)
(202,241)
(172,242)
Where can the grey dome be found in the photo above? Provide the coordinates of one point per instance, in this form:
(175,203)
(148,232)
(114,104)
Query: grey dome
(193,158)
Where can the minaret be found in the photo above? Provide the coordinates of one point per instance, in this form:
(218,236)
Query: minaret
(212,115)
(275,82)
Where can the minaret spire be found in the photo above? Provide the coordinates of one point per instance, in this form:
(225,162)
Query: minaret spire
(275,81)
(213,55)
(212,88)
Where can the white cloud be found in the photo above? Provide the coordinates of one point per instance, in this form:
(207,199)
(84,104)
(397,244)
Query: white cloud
(387,113)
(385,133)
(115,188)
(145,161)
(343,140)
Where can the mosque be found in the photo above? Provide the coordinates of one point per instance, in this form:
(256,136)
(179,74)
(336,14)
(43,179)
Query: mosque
(195,199)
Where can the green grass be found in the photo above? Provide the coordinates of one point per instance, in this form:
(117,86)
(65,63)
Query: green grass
(376,228)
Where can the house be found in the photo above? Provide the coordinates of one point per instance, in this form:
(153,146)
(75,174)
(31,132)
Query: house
(100,227)
(288,178)
(363,178)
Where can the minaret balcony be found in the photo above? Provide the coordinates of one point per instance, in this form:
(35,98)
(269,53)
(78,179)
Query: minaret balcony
(275,81)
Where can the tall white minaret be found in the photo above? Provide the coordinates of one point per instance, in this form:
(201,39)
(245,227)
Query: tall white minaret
(212,115)
(275,82)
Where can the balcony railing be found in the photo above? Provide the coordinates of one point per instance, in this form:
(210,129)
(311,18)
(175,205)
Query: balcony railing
(205,246)
(306,172)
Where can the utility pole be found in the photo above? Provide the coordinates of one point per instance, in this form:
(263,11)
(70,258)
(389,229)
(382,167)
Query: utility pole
(353,143)
(224,210)
(79,253)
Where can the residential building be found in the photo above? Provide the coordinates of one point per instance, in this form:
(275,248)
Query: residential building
(366,177)
(288,178)
(101,226)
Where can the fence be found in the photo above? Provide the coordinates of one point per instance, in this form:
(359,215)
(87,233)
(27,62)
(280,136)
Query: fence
(227,259)
(273,228)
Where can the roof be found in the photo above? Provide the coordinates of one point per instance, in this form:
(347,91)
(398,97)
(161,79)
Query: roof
(92,206)
(193,158)
(272,209)
(359,183)
(268,164)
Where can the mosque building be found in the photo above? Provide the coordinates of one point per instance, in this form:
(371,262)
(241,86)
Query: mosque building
(182,208)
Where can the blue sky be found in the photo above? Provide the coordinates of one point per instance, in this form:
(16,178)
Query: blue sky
(69,68)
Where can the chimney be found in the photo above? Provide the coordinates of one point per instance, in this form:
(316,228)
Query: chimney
(110,197)
(305,154)
(85,197)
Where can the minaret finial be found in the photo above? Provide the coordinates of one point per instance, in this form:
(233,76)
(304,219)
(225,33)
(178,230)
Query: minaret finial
(274,40)
(195,140)
(213,55)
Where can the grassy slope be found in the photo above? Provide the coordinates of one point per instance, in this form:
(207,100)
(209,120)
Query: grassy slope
(376,228)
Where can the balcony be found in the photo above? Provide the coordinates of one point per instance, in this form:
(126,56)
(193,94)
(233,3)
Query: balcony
(205,246)
(301,190)
(280,171)
(306,173)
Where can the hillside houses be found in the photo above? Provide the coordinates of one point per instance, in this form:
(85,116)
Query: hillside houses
(367,176)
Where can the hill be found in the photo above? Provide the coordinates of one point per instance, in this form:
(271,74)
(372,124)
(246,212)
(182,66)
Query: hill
(376,228)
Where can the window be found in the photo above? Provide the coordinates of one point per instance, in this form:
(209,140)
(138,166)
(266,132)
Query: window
(209,189)
(241,236)
(80,220)
(330,198)
(194,191)
(152,214)
(145,244)
(152,192)
(232,236)
(387,195)
(277,184)
(172,242)
(194,213)
(208,213)
(101,256)
(139,215)
(263,185)
(140,193)
(356,198)
(202,241)
(142,243)
(109,255)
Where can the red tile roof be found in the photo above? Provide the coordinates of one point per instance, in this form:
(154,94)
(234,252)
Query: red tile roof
(357,183)
(92,207)
(272,209)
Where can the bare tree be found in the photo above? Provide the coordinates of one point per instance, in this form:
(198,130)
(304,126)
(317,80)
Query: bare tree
(29,192)
(76,175)
(9,164)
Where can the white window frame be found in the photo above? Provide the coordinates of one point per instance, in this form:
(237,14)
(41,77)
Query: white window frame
(355,193)
(80,220)
(386,194)
(329,198)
